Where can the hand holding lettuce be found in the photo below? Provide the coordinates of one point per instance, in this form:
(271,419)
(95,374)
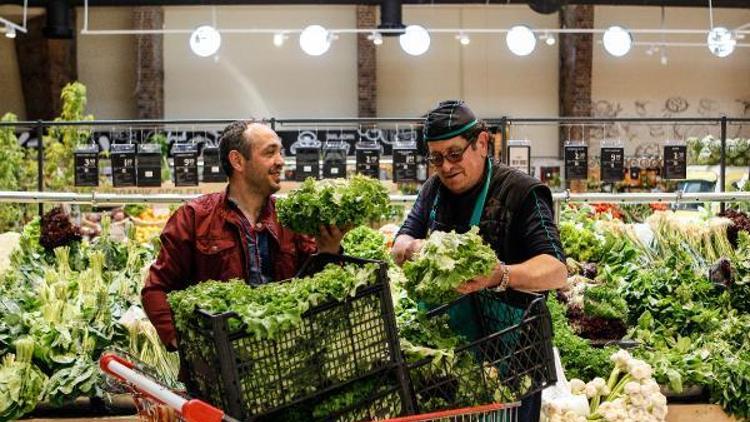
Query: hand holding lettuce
(445,262)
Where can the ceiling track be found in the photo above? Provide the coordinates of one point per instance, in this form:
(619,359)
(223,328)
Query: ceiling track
(667,3)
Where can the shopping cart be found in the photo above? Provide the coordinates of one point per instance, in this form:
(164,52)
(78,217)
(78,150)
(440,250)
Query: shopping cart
(488,413)
(154,402)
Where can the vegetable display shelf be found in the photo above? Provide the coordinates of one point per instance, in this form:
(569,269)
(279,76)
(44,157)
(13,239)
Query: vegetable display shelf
(509,354)
(338,343)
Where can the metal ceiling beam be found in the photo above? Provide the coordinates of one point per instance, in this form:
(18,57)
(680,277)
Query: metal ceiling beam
(669,3)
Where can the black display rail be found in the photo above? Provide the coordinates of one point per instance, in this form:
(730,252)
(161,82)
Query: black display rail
(720,121)
(206,131)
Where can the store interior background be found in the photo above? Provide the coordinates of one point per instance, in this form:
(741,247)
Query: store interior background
(252,77)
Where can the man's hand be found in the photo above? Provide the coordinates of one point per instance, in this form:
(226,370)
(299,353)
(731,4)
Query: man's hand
(482,282)
(329,238)
(405,247)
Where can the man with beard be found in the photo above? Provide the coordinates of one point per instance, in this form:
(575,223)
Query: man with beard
(234,233)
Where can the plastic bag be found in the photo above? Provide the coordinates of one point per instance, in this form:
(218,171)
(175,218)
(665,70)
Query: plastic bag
(558,399)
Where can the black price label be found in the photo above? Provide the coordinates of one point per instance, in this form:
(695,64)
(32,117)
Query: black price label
(576,162)
(212,171)
(675,162)
(87,166)
(612,164)
(308,164)
(404,165)
(186,169)
(334,164)
(123,165)
(148,165)
(368,162)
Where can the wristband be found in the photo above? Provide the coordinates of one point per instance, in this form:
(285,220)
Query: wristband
(504,280)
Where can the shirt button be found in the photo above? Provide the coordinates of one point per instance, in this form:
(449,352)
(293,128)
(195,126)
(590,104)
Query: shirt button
(214,248)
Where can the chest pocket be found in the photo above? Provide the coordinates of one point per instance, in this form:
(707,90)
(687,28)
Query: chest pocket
(215,247)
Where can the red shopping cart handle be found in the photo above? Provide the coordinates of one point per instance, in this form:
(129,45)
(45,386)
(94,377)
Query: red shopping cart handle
(192,410)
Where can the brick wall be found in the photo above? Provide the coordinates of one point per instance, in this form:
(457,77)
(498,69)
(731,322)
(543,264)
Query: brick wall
(366,63)
(45,66)
(149,66)
(576,58)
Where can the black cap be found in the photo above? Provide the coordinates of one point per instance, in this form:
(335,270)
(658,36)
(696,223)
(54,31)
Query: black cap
(450,118)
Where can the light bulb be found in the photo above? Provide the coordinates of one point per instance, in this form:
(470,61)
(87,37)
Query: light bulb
(278,39)
(205,41)
(463,39)
(520,40)
(550,40)
(376,38)
(617,41)
(314,40)
(720,42)
(415,40)
(10,31)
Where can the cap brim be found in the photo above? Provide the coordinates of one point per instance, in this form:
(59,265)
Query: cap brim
(451,134)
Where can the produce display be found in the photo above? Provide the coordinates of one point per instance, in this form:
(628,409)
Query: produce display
(337,202)
(63,300)
(685,288)
(674,290)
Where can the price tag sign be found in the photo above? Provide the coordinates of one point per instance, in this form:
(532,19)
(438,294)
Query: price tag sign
(148,165)
(212,171)
(675,162)
(612,164)
(334,163)
(576,162)
(185,164)
(86,165)
(368,162)
(404,165)
(308,164)
(519,157)
(123,165)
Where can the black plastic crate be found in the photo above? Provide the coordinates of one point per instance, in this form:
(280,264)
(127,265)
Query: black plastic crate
(337,343)
(507,355)
(375,397)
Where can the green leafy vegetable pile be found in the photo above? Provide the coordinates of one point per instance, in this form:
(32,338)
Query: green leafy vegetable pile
(446,261)
(271,309)
(366,243)
(336,202)
(61,308)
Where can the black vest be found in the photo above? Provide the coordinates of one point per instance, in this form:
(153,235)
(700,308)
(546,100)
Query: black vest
(508,191)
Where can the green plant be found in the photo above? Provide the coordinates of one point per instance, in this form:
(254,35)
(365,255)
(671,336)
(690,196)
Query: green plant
(16,173)
(61,141)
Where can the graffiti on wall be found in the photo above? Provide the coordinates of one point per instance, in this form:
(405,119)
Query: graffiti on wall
(639,137)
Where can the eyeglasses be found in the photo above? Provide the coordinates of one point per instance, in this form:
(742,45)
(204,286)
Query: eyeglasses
(455,156)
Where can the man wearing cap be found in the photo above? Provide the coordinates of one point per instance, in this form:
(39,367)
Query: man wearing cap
(512,210)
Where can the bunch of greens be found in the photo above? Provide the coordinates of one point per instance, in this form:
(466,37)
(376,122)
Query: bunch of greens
(446,261)
(21,382)
(335,202)
(579,358)
(271,309)
(604,301)
(366,243)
